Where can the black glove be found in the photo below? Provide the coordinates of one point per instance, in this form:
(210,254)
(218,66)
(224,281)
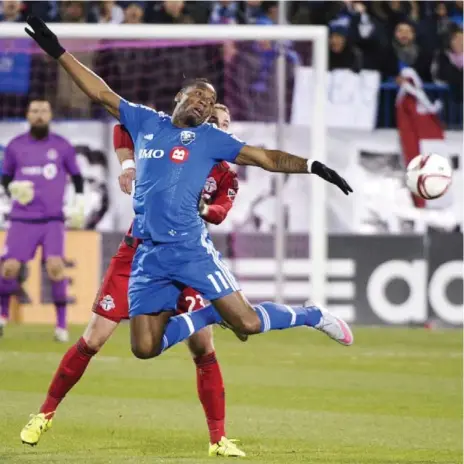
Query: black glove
(331,176)
(44,37)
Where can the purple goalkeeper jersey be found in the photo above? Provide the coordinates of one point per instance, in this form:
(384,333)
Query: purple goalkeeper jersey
(47,164)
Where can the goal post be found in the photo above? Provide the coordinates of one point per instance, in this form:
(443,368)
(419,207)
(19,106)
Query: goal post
(318,35)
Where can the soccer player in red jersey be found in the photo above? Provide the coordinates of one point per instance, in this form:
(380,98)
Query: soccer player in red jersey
(111,306)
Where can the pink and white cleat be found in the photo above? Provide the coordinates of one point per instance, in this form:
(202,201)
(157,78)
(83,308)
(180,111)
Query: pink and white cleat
(335,328)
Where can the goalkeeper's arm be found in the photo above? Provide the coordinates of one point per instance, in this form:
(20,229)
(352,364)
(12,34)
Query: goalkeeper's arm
(91,84)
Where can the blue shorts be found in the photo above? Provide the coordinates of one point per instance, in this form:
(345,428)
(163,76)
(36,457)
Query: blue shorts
(161,271)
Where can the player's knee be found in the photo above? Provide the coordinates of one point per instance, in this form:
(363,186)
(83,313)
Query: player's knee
(55,269)
(10,269)
(145,350)
(95,341)
(95,344)
(202,350)
(250,324)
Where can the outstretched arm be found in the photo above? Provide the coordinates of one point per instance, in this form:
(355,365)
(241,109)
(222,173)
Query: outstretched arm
(272,160)
(91,84)
(280,161)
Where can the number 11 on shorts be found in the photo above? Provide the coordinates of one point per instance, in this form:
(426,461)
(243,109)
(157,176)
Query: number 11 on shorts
(214,281)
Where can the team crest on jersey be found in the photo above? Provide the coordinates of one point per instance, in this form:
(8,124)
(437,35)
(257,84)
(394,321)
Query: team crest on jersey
(52,154)
(187,137)
(231,194)
(50,171)
(210,185)
(107,303)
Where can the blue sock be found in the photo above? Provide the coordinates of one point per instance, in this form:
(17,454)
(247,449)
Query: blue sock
(181,327)
(275,316)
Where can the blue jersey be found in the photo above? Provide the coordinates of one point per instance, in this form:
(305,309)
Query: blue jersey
(172,165)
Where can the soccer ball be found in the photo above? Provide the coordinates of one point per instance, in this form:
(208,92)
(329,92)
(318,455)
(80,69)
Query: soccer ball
(429,176)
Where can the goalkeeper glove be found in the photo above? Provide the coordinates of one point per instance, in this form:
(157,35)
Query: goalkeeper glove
(77,216)
(22,191)
(329,175)
(44,37)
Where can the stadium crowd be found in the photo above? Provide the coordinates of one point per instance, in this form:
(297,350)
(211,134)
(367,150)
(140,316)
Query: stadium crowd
(379,35)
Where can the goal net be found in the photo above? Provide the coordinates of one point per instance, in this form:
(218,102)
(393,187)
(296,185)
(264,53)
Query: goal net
(265,236)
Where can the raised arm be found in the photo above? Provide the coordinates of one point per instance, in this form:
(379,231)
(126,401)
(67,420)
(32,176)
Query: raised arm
(280,161)
(91,84)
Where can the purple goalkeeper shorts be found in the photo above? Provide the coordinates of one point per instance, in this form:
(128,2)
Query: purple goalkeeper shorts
(23,239)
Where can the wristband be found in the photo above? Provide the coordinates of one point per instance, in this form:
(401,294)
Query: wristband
(309,164)
(128,164)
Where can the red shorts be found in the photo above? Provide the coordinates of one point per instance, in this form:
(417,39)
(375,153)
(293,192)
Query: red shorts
(112,301)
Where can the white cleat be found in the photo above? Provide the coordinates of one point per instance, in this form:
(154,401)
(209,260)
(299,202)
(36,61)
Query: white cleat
(61,335)
(335,328)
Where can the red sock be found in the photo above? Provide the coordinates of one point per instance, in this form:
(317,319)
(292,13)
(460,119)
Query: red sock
(210,388)
(70,370)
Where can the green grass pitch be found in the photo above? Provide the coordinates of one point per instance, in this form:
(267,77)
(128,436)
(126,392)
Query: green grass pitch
(292,397)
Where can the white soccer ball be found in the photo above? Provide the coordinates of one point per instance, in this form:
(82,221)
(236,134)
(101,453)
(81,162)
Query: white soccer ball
(429,176)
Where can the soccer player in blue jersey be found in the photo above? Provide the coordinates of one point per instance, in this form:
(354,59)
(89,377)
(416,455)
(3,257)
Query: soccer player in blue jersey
(173,158)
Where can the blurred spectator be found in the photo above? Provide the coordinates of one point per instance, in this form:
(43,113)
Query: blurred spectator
(168,12)
(226,12)
(344,17)
(251,10)
(269,13)
(11,11)
(134,13)
(47,10)
(368,36)
(342,55)
(456,13)
(405,52)
(76,12)
(450,63)
(108,12)
(391,13)
(433,32)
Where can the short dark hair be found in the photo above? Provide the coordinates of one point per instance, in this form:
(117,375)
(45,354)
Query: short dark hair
(196,81)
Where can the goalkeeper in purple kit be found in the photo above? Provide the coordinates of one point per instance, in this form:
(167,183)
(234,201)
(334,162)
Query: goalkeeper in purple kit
(36,167)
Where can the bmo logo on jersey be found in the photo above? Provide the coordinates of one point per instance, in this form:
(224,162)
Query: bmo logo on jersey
(179,155)
(149,154)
